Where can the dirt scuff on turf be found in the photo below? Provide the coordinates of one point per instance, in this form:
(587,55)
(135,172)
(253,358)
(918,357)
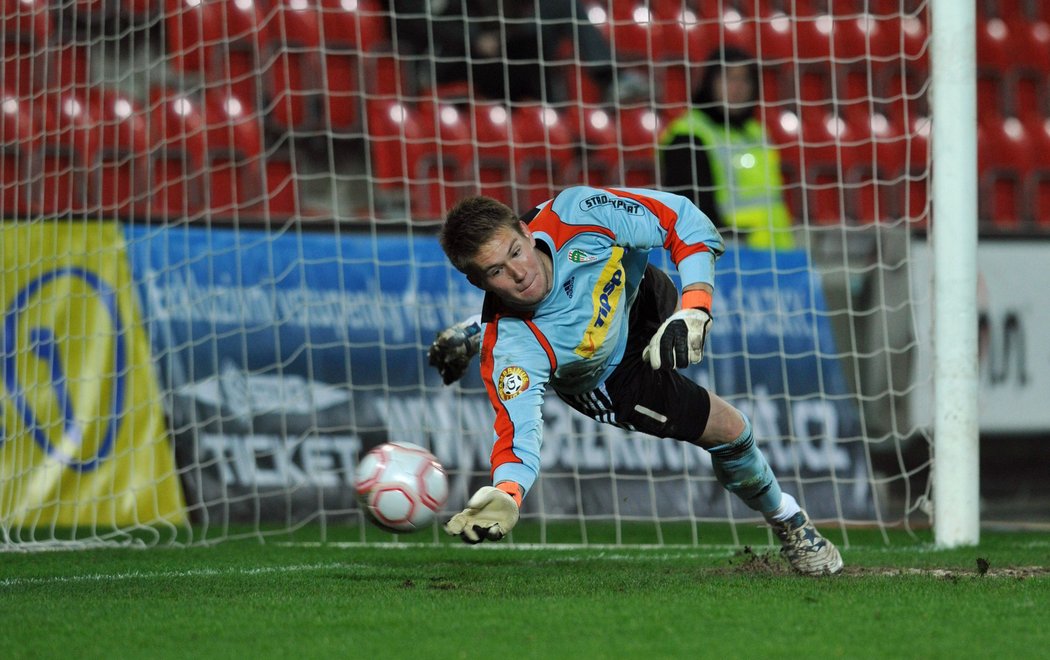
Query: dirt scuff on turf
(749,562)
(1016,572)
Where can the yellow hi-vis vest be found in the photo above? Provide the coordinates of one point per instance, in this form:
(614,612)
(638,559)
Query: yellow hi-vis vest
(748,182)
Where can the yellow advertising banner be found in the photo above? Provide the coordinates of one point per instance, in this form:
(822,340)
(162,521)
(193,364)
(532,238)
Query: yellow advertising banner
(84,438)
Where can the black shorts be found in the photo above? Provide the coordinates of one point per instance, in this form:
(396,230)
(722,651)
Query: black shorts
(663,403)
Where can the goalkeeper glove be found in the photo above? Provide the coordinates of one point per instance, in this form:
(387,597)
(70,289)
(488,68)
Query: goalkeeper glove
(490,515)
(679,341)
(453,348)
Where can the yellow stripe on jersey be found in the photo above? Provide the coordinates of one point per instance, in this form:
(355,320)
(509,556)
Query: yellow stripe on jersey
(606,298)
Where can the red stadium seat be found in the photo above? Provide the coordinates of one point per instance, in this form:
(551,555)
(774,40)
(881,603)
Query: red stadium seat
(686,39)
(26,22)
(177,135)
(494,162)
(184,29)
(282,199)
(318,52)
(396,143)
(351,32)
(912,202)
(543,153)
(69,65)
(205,155)
(861,37)
(1004,159)
(775,43)
(1004,8)
(742,28)
(825,143)
(632,32)
(69,154)
(221,39)
(234,153)
(838,169)
(94,11)
(813,36)
(444,173)
(25,30)
(903,92)
(140,10)
(595,130)
(893,7)
(784,130)
(639,132)
(92,151)
(20,138)
(879,151)
(685,36)
(1029,76)
(293,50)
(1037,180)
(122,187)
(994,46)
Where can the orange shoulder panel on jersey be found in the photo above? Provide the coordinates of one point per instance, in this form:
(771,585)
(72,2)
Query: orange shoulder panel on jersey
(678,248)
(503,450)
(551,223)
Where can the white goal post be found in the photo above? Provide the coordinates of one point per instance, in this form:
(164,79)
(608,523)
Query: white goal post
(221,275)
(956,440)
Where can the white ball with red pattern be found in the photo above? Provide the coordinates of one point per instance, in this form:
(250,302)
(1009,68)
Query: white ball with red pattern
(401,486)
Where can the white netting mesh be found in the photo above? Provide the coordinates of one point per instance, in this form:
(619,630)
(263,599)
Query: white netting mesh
(250,188)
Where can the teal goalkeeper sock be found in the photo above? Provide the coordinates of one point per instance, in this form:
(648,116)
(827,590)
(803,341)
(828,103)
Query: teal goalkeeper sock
(742,469)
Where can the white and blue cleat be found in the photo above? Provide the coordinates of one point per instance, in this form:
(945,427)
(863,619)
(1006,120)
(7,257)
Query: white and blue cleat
(806,550)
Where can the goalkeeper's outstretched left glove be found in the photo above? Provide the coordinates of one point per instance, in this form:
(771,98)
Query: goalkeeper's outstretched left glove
(679,341)
(453,348)
(490,515)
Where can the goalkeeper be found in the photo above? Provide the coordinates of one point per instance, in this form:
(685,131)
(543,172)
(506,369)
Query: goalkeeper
(572,305)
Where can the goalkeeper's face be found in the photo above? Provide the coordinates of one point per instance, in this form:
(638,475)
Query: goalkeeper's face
(509,266)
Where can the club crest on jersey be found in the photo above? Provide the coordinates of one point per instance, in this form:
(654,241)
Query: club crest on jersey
(625,205)
(578,256)
(512,382)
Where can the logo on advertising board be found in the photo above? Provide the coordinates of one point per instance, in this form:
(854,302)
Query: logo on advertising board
(79,384)
(248,394)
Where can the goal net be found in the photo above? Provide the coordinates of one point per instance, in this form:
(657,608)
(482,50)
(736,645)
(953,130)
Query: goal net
(221,273)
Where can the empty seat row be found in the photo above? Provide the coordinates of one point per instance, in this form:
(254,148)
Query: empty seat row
(311,63)
(438,152)
(430,154)
(179,156)
(773,34)
(97,151)
(1014,173)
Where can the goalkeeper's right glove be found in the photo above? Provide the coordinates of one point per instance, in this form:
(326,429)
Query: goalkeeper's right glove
(490,514)
(453,348)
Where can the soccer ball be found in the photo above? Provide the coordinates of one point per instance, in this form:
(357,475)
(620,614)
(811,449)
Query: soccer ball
(400,486)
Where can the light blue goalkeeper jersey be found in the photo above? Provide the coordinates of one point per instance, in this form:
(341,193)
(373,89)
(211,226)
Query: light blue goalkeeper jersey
(599,240)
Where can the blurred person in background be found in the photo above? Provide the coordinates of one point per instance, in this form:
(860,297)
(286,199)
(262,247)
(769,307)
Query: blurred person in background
(510,50)
(717,154)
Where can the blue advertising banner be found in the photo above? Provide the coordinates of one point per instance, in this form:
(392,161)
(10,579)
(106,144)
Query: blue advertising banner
(286,354)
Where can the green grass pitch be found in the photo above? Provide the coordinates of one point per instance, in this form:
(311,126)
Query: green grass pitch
(414,599)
